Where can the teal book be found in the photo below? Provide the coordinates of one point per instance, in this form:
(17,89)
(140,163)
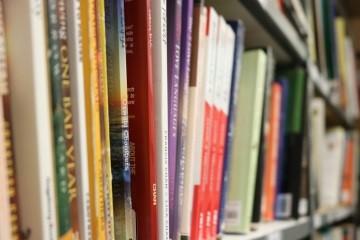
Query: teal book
(246,142)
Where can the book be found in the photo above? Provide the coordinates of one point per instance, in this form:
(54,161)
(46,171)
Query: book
(289,196)
(346,195)
(141,117)
(240,196)
(173,16)
(264,143)
(104,117)
(77,75)
(31,117)
(7,132)
(272,153)
(68,117)
(56,77)
(239,31)
(195,118)
(201,187)
(224,100)
(118,119)
(295,12)
(160,78)
(320,37)
(183,108)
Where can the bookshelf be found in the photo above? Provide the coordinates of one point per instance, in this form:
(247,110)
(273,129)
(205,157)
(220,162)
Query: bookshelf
(294,229)
(265,25)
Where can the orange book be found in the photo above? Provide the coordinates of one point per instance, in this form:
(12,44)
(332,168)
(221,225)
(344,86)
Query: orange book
(271,155)
(348,171)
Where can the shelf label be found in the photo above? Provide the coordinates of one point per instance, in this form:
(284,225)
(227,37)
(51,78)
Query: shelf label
(274,236)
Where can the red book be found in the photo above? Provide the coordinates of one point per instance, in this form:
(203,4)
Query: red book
(141,117)
(271,156)
(348,174)
(200,188)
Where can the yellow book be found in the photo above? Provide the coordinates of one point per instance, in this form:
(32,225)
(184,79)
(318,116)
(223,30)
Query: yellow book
(104,118)
(340,29)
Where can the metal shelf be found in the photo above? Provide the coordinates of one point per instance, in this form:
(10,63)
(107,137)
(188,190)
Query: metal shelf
(266,26)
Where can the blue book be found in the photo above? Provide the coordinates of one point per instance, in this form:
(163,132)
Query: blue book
(239,30)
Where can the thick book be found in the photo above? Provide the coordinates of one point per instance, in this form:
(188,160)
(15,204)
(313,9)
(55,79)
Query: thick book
(173,13)
(79,115)
(272,154)
(239,31)
(246,141)
(195,118)
(104,117)
(68,116)
(282,141)
(183,109)
(31,117)
(118,119)
(160,78)
(289,196)
(201,188)
(264,133)
(7,130)
(141,117)
(224,99)
(60,148)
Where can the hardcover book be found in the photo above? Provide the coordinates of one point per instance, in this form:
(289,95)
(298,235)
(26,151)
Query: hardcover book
(141,117)
(31,117)
(240,196)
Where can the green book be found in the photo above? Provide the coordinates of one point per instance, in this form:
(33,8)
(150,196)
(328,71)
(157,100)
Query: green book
(62,191)
(246,140)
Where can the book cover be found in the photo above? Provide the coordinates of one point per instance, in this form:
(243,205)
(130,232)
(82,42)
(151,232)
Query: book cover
(201,187)
(224,99)
(239,204)
(79,115)
(141,117)
(183,109)
(160,83)
(7,131)
(290,186)
(173,13)
(272,153)
(104,117)
(195,118)
(264,134)
(239,30)
(62,179)
(118,119)
(31,117)
(68,116)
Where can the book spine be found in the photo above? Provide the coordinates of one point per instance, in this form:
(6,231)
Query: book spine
(78,102)
(184,78)
(174,12)
(104,117)
(195,119)
(98,178)
(118,119)
(235,76)
(68,116)
(224,100)
(141,117)
(9,151)
(160,74)
(63,204)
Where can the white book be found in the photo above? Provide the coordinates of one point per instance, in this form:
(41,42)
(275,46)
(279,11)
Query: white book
(318,149)
(5,226)
(332,165)
(195,117)
(159,58)
(79,120)
(31,114)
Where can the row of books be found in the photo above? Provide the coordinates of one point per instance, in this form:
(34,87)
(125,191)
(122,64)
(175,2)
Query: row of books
(340,232)
(129,119)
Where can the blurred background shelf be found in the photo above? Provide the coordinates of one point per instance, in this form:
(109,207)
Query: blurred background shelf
(265,26)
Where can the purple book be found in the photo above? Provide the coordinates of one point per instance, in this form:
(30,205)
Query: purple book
(174,51)
(185,57)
